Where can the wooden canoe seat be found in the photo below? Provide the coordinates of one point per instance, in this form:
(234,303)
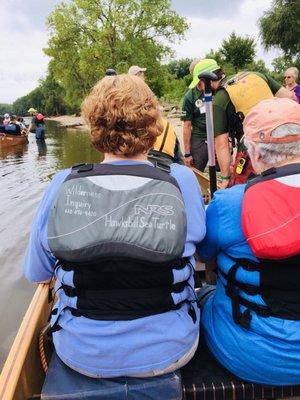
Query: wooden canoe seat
(205,379)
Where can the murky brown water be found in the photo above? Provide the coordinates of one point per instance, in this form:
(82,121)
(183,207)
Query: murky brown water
(25,171)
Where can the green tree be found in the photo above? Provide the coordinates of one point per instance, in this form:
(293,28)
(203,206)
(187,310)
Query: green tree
(258,66)
(282,63)
(5,108)
(280,26)
(238,51)
(88,36)
(179,68)
(217,56)
(220,59)
(53,102)
(33,99)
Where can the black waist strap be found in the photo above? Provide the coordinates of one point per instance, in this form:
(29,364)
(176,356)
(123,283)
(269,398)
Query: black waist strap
(232,292)
(123,289)
(123,304)
(245,287)
(121,315)
(128,293)
(276,306)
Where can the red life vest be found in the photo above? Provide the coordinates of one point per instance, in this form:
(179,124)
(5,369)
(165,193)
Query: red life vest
(271,213)
(271,224)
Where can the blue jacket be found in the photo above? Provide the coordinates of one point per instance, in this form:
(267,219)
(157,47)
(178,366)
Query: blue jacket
(267,353)
(116,348)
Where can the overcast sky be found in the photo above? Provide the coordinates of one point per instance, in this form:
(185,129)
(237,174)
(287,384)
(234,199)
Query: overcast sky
(24,34)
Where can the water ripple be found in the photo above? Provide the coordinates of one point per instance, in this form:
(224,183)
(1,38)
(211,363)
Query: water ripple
(25,172)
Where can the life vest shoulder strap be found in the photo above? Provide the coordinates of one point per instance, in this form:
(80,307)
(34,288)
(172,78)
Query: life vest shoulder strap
(273,173)
(234,79)
(141,170)
(82,167)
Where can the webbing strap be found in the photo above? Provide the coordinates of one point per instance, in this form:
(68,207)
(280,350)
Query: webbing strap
(262,311)
(55,327)
(232,292)
(247,288)
(165,137)
(120,315)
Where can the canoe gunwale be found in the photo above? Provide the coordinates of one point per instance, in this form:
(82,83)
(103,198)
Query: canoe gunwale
(15,383)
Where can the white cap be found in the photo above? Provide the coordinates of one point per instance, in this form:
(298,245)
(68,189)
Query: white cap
(6,115)
(135,69)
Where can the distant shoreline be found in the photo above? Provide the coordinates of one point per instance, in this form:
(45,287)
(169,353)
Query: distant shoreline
(70,121)
(74,122)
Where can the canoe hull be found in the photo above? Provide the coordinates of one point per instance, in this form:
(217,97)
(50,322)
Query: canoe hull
(12,140)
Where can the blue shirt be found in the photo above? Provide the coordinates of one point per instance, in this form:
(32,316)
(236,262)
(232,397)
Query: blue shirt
(267,353)
(116,348)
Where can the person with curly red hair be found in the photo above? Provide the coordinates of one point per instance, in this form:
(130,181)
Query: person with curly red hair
(120,237)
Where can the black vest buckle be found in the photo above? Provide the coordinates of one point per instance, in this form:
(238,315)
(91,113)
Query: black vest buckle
(82,167)
(263,311)
(245,319)
(69,291)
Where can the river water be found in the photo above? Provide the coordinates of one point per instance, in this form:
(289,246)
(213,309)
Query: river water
(25,172)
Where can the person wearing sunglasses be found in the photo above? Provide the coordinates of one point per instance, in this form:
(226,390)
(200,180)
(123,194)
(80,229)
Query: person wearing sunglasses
(290,81)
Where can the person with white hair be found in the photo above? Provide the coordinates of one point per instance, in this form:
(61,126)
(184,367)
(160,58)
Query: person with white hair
(251,318)
(290,79)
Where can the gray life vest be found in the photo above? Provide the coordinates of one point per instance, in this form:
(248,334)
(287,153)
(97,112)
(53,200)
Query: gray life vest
(122,231)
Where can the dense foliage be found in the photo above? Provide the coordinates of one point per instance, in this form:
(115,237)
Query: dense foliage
(238,51)
(280,26)
(5,108)
(179,68)
(88,36)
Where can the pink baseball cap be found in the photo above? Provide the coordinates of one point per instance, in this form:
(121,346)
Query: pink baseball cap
(268,115)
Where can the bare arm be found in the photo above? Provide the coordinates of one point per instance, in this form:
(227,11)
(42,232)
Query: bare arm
(223,156)
(283,92)
(187,133)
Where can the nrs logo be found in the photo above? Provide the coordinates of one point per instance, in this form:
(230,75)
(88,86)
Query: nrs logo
(153,209)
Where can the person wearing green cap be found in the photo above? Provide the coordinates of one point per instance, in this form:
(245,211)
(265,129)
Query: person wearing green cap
(193,117)
(32,110)
(32,126)
(233,99)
